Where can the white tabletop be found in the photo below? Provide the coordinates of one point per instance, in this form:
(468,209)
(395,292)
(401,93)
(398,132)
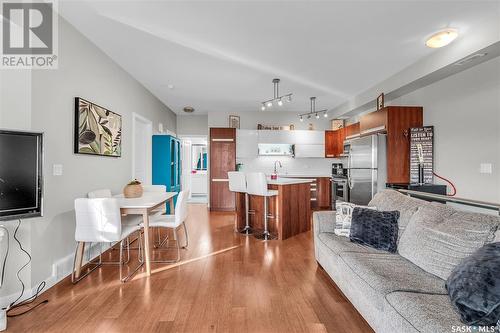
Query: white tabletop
(288,181)
(148,199)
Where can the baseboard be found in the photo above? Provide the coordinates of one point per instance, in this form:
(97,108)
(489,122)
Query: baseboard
(60,270)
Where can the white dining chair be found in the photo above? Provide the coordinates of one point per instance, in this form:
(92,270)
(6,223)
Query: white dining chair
(159,211)
(238,183)
(126,219)
(173,222)
(257,185)
(98,220)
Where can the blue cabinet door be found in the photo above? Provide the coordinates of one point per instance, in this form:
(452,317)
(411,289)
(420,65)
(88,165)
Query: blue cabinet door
(167,163)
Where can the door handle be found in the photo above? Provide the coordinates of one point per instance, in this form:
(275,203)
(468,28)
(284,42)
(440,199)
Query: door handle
(220,179)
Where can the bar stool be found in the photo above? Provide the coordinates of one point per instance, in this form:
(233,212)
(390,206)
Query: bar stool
(238,183)
(257,185)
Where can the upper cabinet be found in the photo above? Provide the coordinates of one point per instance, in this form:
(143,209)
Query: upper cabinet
(246,143)
(334,142)
(352,131)
(396,122)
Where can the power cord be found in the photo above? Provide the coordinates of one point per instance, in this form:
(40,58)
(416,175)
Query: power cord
(39,289)
(449,182)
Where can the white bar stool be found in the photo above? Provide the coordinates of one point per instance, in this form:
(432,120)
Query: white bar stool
(257,185)
(238,183)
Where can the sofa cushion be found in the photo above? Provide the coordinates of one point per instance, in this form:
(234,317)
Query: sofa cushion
(385,272)
(438,237)
(339,244)
(417,312)
(474,286)
(375,228)
(393,200)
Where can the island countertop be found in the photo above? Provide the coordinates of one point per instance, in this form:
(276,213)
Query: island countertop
(288,181)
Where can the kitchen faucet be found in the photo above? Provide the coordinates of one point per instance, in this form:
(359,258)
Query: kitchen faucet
(275,167)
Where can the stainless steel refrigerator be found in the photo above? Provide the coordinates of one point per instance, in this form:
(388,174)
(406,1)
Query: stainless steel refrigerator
(366,167)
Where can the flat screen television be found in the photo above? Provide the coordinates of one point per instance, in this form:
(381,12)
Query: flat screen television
(21,177)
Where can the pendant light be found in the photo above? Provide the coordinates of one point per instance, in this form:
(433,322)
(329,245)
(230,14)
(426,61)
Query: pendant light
(277,98)
(313,111)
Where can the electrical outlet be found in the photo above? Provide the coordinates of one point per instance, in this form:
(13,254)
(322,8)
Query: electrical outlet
(486,168)
(57,169)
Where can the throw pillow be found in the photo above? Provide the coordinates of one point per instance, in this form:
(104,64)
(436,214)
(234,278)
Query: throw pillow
(474,286)
(438,237)
(374,228)
(393,200)
(344,216)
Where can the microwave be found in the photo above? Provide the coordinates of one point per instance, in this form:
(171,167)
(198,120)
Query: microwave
(347,148)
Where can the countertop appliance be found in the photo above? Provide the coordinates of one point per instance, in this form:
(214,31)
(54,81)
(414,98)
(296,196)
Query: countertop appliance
(366,168)
(338,170)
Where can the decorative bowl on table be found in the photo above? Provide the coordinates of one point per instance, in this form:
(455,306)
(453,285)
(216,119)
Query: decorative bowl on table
(133,189)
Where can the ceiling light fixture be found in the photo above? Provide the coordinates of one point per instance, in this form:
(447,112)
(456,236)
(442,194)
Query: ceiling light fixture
(442,38)
(313,111)
(279,99)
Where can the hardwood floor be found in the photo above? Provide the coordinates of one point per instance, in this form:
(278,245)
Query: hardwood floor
(225,282)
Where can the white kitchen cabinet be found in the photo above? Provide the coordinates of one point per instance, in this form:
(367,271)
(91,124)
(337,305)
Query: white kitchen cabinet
(309,137)
(246,143)
(269,136)
(309,150)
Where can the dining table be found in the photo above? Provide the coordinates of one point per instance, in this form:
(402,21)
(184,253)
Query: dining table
(143,206)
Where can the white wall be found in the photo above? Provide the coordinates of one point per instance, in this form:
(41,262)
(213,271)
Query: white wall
(192,125)
(87,72)
(465,112)
(249,120)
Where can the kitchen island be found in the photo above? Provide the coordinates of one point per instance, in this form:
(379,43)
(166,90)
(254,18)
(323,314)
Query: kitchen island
(290,209)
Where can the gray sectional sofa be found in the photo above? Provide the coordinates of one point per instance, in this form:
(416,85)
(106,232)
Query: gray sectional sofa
(404,292)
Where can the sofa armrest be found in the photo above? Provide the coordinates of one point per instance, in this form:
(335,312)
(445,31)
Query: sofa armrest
(323,221)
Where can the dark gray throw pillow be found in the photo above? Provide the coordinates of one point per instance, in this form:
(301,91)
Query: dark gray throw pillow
(474,286)
(375,228)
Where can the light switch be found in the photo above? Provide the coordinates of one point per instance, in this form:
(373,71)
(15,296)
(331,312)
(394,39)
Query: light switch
(57,169)
(486,168)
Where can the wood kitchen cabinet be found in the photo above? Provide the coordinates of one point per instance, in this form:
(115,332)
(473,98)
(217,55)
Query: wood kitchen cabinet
(334,142)
(396,122)
(222,160)
(351,131)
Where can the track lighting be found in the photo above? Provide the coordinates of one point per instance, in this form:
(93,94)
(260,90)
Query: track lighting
(277,97)
(301,119)
(313,111)
(263,107)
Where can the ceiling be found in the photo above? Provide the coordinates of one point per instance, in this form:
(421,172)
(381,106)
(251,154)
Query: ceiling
(222,56)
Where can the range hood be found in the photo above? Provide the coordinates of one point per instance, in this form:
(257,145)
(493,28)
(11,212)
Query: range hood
(276,149)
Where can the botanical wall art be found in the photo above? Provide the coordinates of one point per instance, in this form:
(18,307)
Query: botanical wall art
(98,131)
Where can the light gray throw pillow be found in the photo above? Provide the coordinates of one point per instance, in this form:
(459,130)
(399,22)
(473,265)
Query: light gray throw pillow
(438,237)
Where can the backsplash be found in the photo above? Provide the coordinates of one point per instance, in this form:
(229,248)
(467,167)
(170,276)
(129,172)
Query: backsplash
(300,166)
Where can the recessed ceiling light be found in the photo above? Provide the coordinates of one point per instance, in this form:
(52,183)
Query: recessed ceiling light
(170,86)
(442,38)
(188,109)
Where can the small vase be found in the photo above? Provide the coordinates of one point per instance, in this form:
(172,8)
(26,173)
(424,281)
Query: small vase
(132,191)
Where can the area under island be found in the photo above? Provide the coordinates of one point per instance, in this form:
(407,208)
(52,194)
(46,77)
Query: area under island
(290,210)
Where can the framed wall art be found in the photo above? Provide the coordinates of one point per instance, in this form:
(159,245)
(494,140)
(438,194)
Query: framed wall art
(234,121)
(98,131)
